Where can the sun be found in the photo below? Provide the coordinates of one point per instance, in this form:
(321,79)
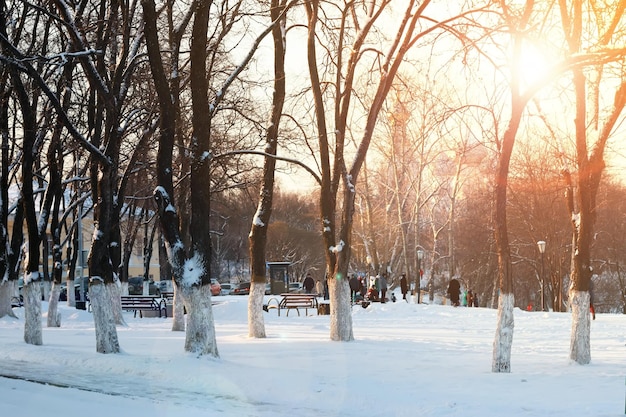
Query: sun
(534,62)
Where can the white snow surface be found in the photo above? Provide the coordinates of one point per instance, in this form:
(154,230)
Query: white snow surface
(406,360)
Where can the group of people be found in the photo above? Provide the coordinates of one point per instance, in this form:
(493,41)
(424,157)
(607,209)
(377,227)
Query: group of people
(359,288)
(461,298)
(377,290)
(315,287)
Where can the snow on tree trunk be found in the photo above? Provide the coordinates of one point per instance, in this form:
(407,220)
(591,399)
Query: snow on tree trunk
(178,310)
(54,317)
(124,288)
(103,316)
(116,301)
(340,310)
(256,321)
(200,335)
(71,294)
(33,333)
(7,290)
(580,344)
(504,334)
(46,288)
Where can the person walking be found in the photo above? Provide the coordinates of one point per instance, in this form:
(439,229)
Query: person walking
(355,286)
(308,284)
(376,286)
(592,309)
(404,286)
(326,293)
(363,287)
(383,288)
(454,289)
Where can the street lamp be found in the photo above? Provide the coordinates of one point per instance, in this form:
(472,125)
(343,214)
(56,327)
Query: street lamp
(420,256)
(368,259)
(542,249)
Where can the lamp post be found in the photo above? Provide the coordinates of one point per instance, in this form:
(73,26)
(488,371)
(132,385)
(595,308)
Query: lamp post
(542,249)
(368,259)
(420,256)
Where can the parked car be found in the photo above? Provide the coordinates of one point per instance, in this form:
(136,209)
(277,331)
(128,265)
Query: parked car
(242,289)
(63,292)
(295,287)
(166,286)
(227,288)
(216,287)
(135,286)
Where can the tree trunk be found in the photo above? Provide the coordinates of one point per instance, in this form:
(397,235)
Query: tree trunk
(200,335)
(504,331)
(190,270)
(33,333)
(165,273)
(580,342)
(503,341)
(178,310)
(54,316)
(32,278)
(104,317)
(7,290)
(261,221)
(256,323)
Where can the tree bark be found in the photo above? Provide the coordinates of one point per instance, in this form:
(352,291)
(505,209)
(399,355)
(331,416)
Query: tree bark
(503,342)
(191,271)
(261,220)
(504,331)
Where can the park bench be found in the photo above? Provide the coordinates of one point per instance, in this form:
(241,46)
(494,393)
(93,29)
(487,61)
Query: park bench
(168,296)
(292,301)
(16,302)
(141,303)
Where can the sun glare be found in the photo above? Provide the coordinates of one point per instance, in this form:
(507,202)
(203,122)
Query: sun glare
(533,63)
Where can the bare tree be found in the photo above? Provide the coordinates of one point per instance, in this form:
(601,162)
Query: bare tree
(589,124)
(258,230)
(355,22)
(192,279)
(9,247)
(190,249)
(109,73)
(501,361)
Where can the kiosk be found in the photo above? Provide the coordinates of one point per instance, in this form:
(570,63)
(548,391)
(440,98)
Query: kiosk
(279,276)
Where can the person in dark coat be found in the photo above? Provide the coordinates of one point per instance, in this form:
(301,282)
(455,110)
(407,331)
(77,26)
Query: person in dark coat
(362,287)
(404,286)
(326,293)
(454,290)
(355,287)
(592,309)
(308,284)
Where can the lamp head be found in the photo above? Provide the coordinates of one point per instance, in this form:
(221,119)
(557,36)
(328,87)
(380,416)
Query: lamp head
(542,246)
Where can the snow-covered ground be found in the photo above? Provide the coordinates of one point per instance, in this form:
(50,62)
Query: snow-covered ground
(407,360)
